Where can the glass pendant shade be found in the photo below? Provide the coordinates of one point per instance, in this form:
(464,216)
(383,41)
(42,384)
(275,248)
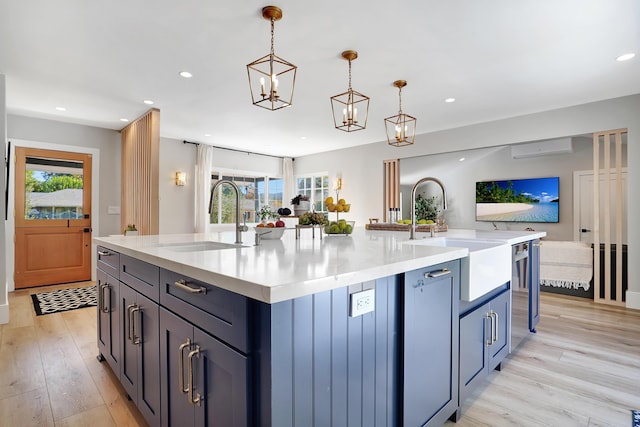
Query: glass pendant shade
(271,78)
(351,108)
(401,128)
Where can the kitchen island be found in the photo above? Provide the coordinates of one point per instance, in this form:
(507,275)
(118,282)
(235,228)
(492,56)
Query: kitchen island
(344,330)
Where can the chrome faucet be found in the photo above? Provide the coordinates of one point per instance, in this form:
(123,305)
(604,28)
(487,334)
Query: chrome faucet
(412,230)
(239,228)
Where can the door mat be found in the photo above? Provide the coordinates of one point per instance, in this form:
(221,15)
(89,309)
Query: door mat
(64,300)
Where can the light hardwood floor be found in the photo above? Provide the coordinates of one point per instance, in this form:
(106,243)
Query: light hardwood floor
(582,368)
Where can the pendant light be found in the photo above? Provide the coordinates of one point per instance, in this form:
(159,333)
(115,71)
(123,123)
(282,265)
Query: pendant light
(271,78)
(401,128)
(351,108)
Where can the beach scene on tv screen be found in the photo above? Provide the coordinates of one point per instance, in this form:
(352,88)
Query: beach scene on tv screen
(518,200)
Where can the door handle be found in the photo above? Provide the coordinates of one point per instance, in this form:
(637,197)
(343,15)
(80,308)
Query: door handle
(184,345)
(490,317)
(585,230)
(495,324)
(104,307)
(137,338)
(184,285)
(438,273)
(194,398)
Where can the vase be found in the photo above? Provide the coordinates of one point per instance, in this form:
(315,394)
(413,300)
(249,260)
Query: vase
(302,207)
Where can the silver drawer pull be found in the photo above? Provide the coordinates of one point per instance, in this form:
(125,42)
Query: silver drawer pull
(104,253)
(438,273)
(184,285)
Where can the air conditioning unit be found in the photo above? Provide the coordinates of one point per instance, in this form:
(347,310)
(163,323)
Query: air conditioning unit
(542,148)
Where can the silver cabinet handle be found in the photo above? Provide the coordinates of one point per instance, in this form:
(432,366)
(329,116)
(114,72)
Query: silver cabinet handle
(184,345)
(130,315)
(136,338)
(184,285)
(194,398)
(105,253)
(438,273)
(495,334)
(103,304)
(490,317)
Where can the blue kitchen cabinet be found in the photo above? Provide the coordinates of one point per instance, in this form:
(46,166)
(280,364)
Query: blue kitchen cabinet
(205,382)
(484,339)
(430,345)
(108,327)
(140,359)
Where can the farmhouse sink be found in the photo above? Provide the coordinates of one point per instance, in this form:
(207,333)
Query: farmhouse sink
(487,266)
(199,246)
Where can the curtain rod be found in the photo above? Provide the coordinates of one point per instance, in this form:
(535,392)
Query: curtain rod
(238,151)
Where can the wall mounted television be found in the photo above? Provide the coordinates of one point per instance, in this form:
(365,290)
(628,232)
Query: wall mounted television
(518,200)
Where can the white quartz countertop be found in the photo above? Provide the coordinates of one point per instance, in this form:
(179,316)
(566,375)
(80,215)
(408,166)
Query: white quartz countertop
(279,270)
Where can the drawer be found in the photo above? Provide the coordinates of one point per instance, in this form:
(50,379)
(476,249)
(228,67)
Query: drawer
(108,261)
(141,276)
(221,313)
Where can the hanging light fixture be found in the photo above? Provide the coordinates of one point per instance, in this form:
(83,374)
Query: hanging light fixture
(345,106)
(271,78)
(401,128)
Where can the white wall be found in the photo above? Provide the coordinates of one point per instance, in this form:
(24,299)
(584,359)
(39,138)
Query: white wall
(361,167)
(496,163)
(4,306)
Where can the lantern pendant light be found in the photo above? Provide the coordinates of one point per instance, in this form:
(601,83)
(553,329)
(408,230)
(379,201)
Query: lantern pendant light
(401,128)
(271,78)
(351,108)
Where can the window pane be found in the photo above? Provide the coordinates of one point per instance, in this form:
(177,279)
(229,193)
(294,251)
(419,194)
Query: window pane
(275,193)
(53,189)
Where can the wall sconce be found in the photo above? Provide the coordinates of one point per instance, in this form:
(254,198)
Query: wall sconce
(181,178)
(338,184)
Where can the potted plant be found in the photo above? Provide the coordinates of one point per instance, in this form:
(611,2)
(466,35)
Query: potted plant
(131,230)
(300,204)
(265,214)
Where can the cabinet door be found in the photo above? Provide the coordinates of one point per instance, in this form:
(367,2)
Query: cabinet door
(108,293)
(474,334)
(176,337)
(534,284)
(430,392)
(221,376)
(148,328)
(499,310)
(129,363)
(140,366)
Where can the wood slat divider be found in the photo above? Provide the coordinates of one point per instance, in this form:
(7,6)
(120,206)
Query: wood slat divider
(391,186)
(140,173)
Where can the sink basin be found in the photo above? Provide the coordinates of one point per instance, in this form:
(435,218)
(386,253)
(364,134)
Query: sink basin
(199,246)
(487,266)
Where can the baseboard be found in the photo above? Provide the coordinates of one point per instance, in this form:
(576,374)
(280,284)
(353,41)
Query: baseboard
(4,314)
(633,300)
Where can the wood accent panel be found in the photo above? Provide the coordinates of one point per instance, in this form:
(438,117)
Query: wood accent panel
(391,186)
(602,142)
(140,173)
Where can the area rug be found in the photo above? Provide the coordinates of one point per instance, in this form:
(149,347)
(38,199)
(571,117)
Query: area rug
(64,300)
(635,418)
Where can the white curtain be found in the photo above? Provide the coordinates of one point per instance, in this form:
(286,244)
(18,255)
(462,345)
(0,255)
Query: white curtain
(288,187)
(204,164)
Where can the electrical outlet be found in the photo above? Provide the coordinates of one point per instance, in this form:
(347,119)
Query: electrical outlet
(362,302)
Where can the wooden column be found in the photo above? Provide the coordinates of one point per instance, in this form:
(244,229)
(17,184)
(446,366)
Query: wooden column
(391,186)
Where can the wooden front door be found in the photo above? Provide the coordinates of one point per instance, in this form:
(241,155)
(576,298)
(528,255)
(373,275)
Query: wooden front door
(52,217)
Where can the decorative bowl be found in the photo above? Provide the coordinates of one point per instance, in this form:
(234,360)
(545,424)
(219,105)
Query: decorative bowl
(270,233)
(340,227)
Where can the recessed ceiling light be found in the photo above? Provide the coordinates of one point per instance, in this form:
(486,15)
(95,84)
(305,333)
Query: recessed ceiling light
(186,74)
(625,57)
(450,100)
(303,137)
(148,102)
(61,109)
(124,120)
(207,134)
(461,159)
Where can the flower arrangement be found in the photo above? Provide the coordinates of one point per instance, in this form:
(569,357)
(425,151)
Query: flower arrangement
(299,198)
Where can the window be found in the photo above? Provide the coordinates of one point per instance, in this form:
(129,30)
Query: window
(317,188)
(254,193)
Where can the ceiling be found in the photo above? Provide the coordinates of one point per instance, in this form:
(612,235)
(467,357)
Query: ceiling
(497,58)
